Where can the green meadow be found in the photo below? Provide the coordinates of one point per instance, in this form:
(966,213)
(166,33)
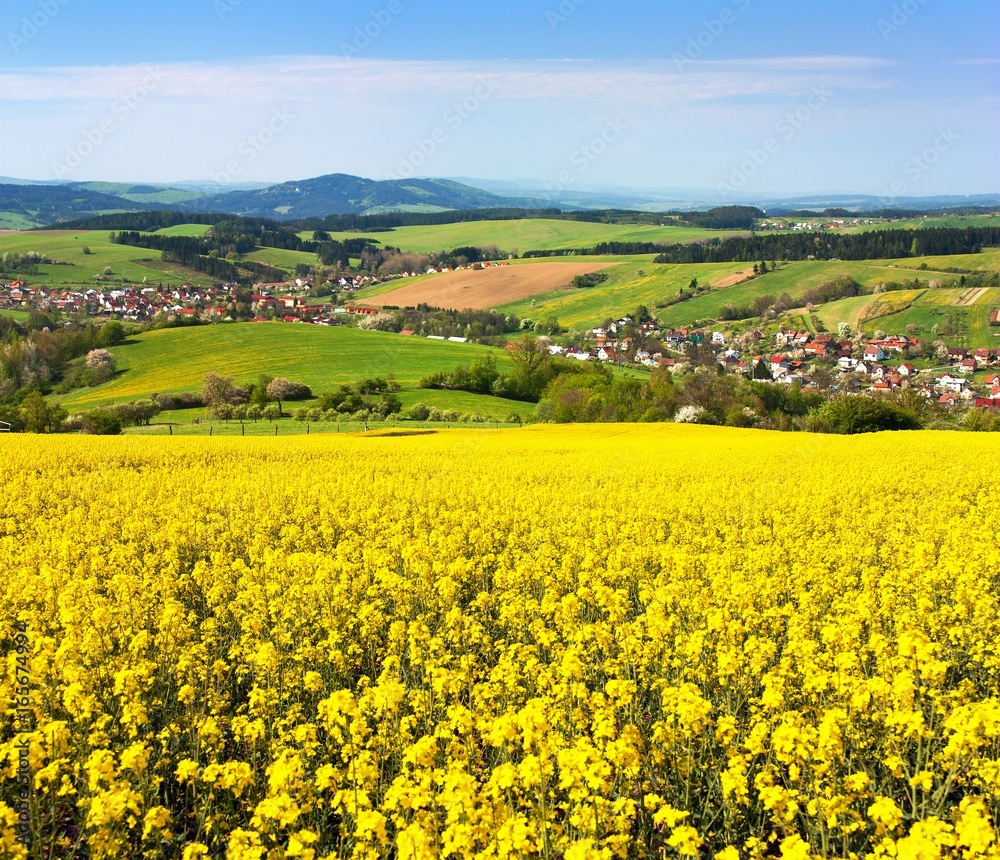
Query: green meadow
(646,283)
(67,246)
(176,360)
(957,221)
(530,235)
(280,258)
(184,230)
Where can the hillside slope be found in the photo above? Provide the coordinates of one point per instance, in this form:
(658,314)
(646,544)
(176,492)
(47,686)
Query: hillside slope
(340,194)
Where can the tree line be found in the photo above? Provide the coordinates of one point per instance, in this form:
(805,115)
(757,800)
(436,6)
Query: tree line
(873,245)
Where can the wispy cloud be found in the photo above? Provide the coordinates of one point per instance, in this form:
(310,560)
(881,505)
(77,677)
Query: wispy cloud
(320,78)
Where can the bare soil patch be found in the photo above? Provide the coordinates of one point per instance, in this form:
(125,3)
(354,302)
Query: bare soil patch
(733,280)
(488,288)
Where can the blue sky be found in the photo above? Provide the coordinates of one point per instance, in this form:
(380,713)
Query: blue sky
(897,98)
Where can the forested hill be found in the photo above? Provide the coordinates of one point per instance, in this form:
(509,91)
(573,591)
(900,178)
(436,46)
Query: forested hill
(334,195)
(51,204)
(340,194)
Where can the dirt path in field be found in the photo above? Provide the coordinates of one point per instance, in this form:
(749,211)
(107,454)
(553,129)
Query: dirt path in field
(970,297)
(733,280)
(488,288)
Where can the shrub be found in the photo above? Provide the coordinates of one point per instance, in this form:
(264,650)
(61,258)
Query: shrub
(102,422)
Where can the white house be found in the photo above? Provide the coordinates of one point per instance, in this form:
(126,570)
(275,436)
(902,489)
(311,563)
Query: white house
(953,384)
(874,352)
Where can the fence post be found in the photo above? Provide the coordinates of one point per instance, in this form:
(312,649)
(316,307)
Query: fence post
(275,429)
(170,427)
(210,429)
(243,429)
(307,429)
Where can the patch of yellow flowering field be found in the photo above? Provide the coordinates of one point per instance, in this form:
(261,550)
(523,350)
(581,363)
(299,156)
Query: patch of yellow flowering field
(580,643)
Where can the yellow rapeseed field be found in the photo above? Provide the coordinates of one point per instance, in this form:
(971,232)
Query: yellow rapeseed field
(578,643)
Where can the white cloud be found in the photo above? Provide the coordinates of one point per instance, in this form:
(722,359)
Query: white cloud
(311,79)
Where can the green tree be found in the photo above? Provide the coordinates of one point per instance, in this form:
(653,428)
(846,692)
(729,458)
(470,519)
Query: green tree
(145,411)
(111,334)
(531,361)
(39,417)
(642,315)
(849,415)
(102,422)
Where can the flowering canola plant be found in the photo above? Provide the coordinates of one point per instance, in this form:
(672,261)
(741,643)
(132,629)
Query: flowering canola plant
(583,643)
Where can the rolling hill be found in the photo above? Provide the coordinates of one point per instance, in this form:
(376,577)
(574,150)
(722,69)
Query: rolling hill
(38,205)
(23,206)
(174,360)
(340,194)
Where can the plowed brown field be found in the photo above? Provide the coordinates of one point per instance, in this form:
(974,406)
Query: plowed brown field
(488,288)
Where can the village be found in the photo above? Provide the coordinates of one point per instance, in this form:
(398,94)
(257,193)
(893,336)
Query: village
(809,360)
(879,366)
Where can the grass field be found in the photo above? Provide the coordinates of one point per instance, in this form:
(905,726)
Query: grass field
(281,259)
(988,260)
(15,221)
(959,222)
(67,246)
(632,284)
(627,288)
(184,230)
(860,309)
(174,360)
(947,308)
(527,235)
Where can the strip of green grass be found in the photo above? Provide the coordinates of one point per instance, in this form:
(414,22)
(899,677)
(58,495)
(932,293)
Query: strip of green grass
(184,230)
(530,234)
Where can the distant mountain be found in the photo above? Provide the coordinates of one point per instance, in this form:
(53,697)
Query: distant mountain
(25,203)
(37,204)
(210,187)
(340,194)
(656,199)
(10,180)
(50,204)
